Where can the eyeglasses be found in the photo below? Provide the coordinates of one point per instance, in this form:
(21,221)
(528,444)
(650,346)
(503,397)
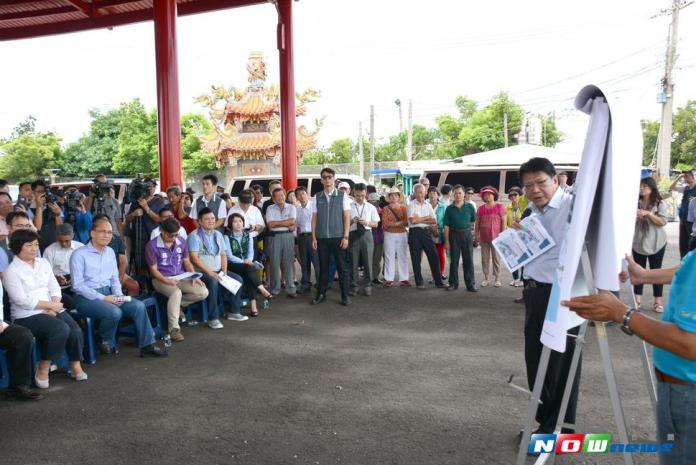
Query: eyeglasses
(103,232)
(22,226)
(539,184)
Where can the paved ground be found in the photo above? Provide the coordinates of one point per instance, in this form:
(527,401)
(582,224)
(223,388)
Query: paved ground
(404,377)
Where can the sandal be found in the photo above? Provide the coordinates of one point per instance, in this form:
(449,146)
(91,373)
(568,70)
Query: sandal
(388,283)
(657,308)
(253,313)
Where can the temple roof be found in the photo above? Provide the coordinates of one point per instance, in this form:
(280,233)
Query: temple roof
(252,106)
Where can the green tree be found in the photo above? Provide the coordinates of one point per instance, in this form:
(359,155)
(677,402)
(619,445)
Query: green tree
(550,133)
(29,156)
(194,159)
(316,156)
(484,130)
(684,136)
(137,140)
(94,152)
(650,131)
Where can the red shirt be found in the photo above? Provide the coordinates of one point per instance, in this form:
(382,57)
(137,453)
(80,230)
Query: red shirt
(490,221)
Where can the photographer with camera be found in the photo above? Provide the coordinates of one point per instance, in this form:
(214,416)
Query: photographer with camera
(5,208)
(24,199)
(101,201)
(77,214)
(47,212)
(142,217)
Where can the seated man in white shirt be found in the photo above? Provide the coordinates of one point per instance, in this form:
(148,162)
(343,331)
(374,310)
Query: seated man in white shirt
(58,255)
(164,213)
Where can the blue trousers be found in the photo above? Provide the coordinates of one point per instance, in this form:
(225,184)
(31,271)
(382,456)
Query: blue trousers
(213,285)
(676,423)
(109,315)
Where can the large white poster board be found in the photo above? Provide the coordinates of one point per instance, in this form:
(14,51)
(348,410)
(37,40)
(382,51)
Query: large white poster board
(603,213)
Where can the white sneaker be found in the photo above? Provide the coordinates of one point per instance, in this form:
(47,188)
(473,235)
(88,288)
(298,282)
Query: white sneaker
(236,317)
(215,324)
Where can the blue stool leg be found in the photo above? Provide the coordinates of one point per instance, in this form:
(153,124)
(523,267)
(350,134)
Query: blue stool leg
(4,371)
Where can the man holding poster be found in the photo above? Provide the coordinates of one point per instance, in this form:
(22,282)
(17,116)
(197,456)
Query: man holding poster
(551,206)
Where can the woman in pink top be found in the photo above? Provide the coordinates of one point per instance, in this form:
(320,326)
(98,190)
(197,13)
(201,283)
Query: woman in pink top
(490,221)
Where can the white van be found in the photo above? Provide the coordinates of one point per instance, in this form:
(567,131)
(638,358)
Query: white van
(311,181)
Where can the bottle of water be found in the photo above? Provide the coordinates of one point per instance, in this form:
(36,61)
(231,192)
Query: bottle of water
(167,340)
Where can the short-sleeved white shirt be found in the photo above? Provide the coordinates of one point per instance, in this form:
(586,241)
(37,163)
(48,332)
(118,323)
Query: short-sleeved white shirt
(416,208)
(366,211)
(252,218)
(275,213)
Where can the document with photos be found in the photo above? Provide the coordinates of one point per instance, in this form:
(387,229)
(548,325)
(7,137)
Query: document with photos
(518,247)
(230,284)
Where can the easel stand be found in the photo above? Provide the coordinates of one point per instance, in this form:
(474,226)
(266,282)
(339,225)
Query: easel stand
(609,373)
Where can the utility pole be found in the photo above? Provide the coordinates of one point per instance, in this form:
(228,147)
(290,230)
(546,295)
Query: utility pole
(372,138)
(664,145)
(505,129)
(361,157)
(401,119)
(409,140)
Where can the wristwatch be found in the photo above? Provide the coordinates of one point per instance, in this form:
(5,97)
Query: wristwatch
(627,320)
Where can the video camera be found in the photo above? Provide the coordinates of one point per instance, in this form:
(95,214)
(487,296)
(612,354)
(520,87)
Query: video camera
(101,189)
(139,188)
(72,201)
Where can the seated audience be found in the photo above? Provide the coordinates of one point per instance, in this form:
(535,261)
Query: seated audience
(17,342)
(58,255)
(35,300)
(209,256)
(98,295)
(167,256)
(241,262)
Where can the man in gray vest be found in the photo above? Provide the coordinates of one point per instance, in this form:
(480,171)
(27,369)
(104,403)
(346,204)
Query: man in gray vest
(210,199)
(208,252)
(330,226)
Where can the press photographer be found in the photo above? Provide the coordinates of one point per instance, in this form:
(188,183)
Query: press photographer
(47,211)
(102,201)
(142,217)
(76,214)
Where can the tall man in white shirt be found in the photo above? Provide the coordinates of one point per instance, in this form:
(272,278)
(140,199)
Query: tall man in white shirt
(551,206)
(421,219)
(210,199)
(363,217)
(308,257)
(330,226)
(280,218)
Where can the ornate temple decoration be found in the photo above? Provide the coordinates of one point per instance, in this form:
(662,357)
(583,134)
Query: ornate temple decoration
(246,123)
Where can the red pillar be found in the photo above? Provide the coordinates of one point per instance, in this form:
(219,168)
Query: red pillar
(287,95)
(168,124)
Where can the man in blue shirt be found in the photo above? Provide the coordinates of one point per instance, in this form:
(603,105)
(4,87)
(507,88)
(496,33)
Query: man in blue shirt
(674,355)
(98,294)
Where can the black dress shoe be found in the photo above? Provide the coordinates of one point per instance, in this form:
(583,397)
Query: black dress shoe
(25,393)
(451,288)
(520,300)
(472,289)
(345,301)
(152,351)
(320,299)
(377,282)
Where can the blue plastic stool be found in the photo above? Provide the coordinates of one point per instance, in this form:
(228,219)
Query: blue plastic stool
(62,362)
(202,308)
(4,371)
(155,319)
(90,350)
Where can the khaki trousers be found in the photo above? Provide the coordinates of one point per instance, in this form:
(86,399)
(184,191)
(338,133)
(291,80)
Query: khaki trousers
(487,253)
(182,295)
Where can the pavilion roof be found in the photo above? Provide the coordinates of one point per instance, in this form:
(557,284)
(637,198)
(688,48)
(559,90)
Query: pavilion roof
(23,19)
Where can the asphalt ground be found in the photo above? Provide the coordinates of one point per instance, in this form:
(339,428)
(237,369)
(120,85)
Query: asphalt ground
(406,376)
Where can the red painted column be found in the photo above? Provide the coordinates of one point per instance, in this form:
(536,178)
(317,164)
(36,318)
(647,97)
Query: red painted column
(168,123)
(287,95)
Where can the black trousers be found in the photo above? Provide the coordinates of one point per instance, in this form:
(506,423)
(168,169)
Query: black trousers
(332,247)
(16,341)
(536,301)
(250,277)
(655,261)
(421,240)
(55,334)
(308,258)
(461,245)
(685,229)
